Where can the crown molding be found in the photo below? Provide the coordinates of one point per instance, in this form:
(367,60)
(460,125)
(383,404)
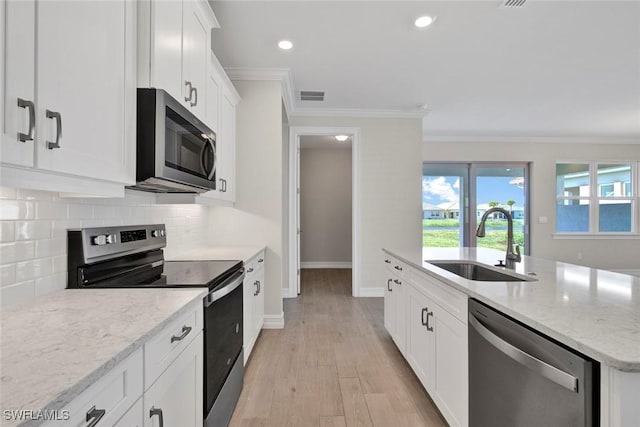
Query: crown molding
(611,140)
(288,95)
(359,112)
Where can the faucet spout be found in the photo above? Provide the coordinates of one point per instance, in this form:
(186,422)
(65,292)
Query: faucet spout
(513,251)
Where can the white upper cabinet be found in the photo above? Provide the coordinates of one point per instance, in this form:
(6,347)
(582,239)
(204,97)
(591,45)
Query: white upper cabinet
(18,131)
(173,50)
(84,101)
(70,94)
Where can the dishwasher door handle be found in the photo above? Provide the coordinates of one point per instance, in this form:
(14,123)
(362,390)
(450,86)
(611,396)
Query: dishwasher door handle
(552,373)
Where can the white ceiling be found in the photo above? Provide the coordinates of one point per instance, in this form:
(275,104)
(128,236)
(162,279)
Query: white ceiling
(568,69)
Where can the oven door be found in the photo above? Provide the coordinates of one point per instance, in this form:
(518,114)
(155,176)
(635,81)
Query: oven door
(223,341)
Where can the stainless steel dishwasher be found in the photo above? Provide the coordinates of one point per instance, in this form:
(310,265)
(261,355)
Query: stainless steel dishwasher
(520,378)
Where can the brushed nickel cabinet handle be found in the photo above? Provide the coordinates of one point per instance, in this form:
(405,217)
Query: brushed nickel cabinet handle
(429,328)
(194,103)
(397,267)
(94,416)
(423,320)
(185,331)
(257,285)
(157,411)
(23,103)
(189,92)
(388,285)
(58,118)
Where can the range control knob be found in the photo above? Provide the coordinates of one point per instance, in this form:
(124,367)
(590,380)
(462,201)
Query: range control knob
(99,240)
(157,233)
(112,238)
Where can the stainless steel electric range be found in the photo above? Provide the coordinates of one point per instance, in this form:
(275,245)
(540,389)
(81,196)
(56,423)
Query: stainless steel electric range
(132,257)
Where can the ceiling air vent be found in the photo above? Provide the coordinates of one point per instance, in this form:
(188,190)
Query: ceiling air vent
(513,3)
(311,95)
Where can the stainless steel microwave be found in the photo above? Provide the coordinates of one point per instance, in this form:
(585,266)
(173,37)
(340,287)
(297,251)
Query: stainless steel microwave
(176,152)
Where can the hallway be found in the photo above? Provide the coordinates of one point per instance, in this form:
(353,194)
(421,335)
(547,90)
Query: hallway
(332,365)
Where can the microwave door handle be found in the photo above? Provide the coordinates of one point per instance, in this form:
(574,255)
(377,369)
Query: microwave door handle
(212,173)
(203,165)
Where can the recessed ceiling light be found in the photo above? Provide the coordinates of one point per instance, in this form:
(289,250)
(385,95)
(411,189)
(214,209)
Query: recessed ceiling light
(285,44)
(424,21)
(342,138)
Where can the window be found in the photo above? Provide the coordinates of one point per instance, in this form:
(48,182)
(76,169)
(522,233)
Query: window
(596,197)
(456,195)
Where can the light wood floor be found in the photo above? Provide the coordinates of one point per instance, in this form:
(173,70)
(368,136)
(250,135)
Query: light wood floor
(332,365)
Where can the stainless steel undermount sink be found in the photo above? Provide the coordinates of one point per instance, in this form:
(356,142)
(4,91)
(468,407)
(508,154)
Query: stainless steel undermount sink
(479,272)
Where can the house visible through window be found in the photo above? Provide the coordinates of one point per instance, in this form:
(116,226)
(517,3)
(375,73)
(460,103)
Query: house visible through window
(595,197)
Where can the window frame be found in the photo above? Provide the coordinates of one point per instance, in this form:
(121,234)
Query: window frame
(594,200)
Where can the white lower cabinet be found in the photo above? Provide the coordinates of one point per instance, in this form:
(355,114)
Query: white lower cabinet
(133,417)
(431,338)
(175,399)
(156,385)
(253,301)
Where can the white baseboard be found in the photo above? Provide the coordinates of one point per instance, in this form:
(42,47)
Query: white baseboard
(325,265)
(273,321)
(633,272)
(371,292)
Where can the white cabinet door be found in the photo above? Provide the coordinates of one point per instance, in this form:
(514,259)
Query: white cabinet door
(166,47)
(389,307)
(226,147)
(400,302)
(247,315)
(194,57)
(176,397)
(420,340)
(133,417)
(18,88)
(451,381)
(86,100)
(213,96)
(258,301)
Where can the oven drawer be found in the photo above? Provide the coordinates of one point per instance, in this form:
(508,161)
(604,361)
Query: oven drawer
(162,350)
(109,398)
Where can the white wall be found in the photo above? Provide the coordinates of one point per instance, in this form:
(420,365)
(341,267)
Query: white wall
(257,217)
(325,205)
(33,234)
(600,253)
(390,178)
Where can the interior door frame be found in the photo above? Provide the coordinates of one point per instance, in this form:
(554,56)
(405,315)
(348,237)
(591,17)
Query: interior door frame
(294,173)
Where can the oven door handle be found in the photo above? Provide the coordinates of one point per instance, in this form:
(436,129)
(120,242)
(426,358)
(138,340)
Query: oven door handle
(233,283)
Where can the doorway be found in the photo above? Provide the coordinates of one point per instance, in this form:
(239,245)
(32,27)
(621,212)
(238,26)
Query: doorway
(317,218)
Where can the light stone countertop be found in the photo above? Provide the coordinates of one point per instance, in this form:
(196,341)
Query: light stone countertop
(596,312)
(213,253)
(57,345)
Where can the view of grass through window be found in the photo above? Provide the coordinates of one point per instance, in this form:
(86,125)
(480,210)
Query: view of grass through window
(445,190)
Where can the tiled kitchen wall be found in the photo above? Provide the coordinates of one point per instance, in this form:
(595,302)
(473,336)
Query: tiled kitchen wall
(33,225)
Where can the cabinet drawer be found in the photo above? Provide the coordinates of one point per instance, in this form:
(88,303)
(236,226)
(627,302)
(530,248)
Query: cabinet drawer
(450,299)
(163,349)
(395,266)
(109,398)
(254,264)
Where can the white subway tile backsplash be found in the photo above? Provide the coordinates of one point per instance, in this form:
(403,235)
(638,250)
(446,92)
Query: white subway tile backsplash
(31,269)
(15,294)
(14,209)
(51,210)
(31,230)
(78,211)
(47,284)
(33,233)
(7,274)
(51,247)
(16,252)
(8,193)
(7,231)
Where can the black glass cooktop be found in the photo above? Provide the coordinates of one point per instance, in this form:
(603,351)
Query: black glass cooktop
(196,273)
